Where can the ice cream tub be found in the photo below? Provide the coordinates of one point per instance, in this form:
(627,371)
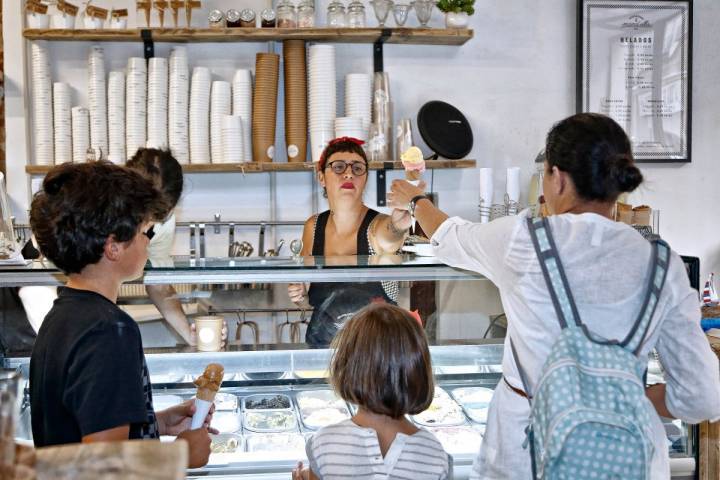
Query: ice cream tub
(227,422)
(260,402)
(270,421)
(322,417)
(475,401)
(282,443)
(443,411)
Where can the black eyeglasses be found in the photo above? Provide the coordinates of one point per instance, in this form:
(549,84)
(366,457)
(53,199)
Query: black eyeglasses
(150,232)
(341,166)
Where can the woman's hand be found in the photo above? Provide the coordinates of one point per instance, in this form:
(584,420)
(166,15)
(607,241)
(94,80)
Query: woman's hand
(297,292)
(177,419)
(402,191)
(223,335)
(198,446)
(400,220)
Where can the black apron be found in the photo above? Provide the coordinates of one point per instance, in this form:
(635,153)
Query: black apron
(334,303)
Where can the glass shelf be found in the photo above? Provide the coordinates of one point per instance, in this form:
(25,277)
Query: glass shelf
(360,268)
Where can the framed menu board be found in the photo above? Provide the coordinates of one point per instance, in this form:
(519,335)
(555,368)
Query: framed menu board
(635,65)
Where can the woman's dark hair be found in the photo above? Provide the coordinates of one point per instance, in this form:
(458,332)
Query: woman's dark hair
(163,169)
(342,144)
(595,151)
(81,205)
(382,362)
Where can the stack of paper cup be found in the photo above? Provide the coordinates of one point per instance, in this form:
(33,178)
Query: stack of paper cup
(178,97)
(97,98)
(358,98)
(242,96)
(322,99)
(157,117)
(200,116)
(296,125)
(80,134)
(220,106)
(62,122)
(116,116)
(350,127)
(267,70)
(42,104)
(232,139)
(136,106)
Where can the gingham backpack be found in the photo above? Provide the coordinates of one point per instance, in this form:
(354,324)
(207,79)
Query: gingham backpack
(589,416)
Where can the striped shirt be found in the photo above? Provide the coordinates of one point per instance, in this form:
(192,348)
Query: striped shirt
(346,450)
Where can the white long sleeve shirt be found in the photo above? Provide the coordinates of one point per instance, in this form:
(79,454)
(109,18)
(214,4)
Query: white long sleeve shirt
(607,266)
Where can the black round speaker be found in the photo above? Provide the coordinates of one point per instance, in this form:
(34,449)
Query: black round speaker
(445,129)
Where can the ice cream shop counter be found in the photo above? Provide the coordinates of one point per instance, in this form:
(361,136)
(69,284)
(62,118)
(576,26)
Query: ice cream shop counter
(272,399)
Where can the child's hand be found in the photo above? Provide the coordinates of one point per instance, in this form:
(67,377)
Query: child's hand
(300,473)
(177,419)
(198,446)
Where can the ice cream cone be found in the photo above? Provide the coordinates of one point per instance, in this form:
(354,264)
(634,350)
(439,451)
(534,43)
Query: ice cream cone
(207,394)
(208,385)
(413,175)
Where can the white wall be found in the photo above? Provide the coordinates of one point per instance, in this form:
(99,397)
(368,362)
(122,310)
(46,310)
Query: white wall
(513,80)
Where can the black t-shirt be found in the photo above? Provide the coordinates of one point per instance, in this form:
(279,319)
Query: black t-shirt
(88,372)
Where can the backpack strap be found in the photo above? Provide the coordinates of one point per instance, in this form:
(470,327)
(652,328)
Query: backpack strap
(553,272)
(659,263)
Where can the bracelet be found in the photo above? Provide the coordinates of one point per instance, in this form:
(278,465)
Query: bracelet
(395,230)
(413,203)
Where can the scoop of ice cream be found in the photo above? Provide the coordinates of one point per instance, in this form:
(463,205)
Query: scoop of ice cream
(412,159)
(211,378)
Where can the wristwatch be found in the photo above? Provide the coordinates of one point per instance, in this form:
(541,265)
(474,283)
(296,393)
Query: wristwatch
(413,203)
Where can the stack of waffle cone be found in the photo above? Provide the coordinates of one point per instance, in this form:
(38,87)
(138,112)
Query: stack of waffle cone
(264,110)
(296,119)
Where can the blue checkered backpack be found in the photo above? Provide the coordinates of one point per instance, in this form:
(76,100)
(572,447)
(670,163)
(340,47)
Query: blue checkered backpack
(589,417)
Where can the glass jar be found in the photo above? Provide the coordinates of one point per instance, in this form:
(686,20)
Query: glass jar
(306,14)
(247,18)
(216,19)
(268,18)
(232,18)
(336,14)
(356,15)
(286,14)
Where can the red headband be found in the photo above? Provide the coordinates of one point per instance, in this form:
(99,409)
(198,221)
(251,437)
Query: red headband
(335,141)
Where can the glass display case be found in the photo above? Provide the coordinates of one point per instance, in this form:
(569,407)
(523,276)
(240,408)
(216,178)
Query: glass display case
(275,393)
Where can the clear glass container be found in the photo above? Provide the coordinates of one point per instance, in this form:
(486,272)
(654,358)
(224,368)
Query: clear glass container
(423,10)
(247,18)
(268,18)
(306,14)
(382,9)
(286,14)
(400,13)
(356,15)
(216,19)
(336,14)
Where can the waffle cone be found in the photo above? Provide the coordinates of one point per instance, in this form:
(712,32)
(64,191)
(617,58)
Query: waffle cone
(206,394)
(413,175)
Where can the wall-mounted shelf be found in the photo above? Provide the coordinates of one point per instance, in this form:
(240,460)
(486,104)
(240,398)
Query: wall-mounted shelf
(258,167)
(410,36)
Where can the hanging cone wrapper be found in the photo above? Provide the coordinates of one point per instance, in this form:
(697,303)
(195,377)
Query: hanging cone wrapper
(208,385)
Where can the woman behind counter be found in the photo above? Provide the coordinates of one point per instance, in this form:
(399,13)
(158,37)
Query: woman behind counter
(588,165)
(349,227)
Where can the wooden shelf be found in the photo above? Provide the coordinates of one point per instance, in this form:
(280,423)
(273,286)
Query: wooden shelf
(258,167)
(410,36)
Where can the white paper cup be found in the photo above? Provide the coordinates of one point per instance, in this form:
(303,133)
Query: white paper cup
(209,333)
(38,20)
